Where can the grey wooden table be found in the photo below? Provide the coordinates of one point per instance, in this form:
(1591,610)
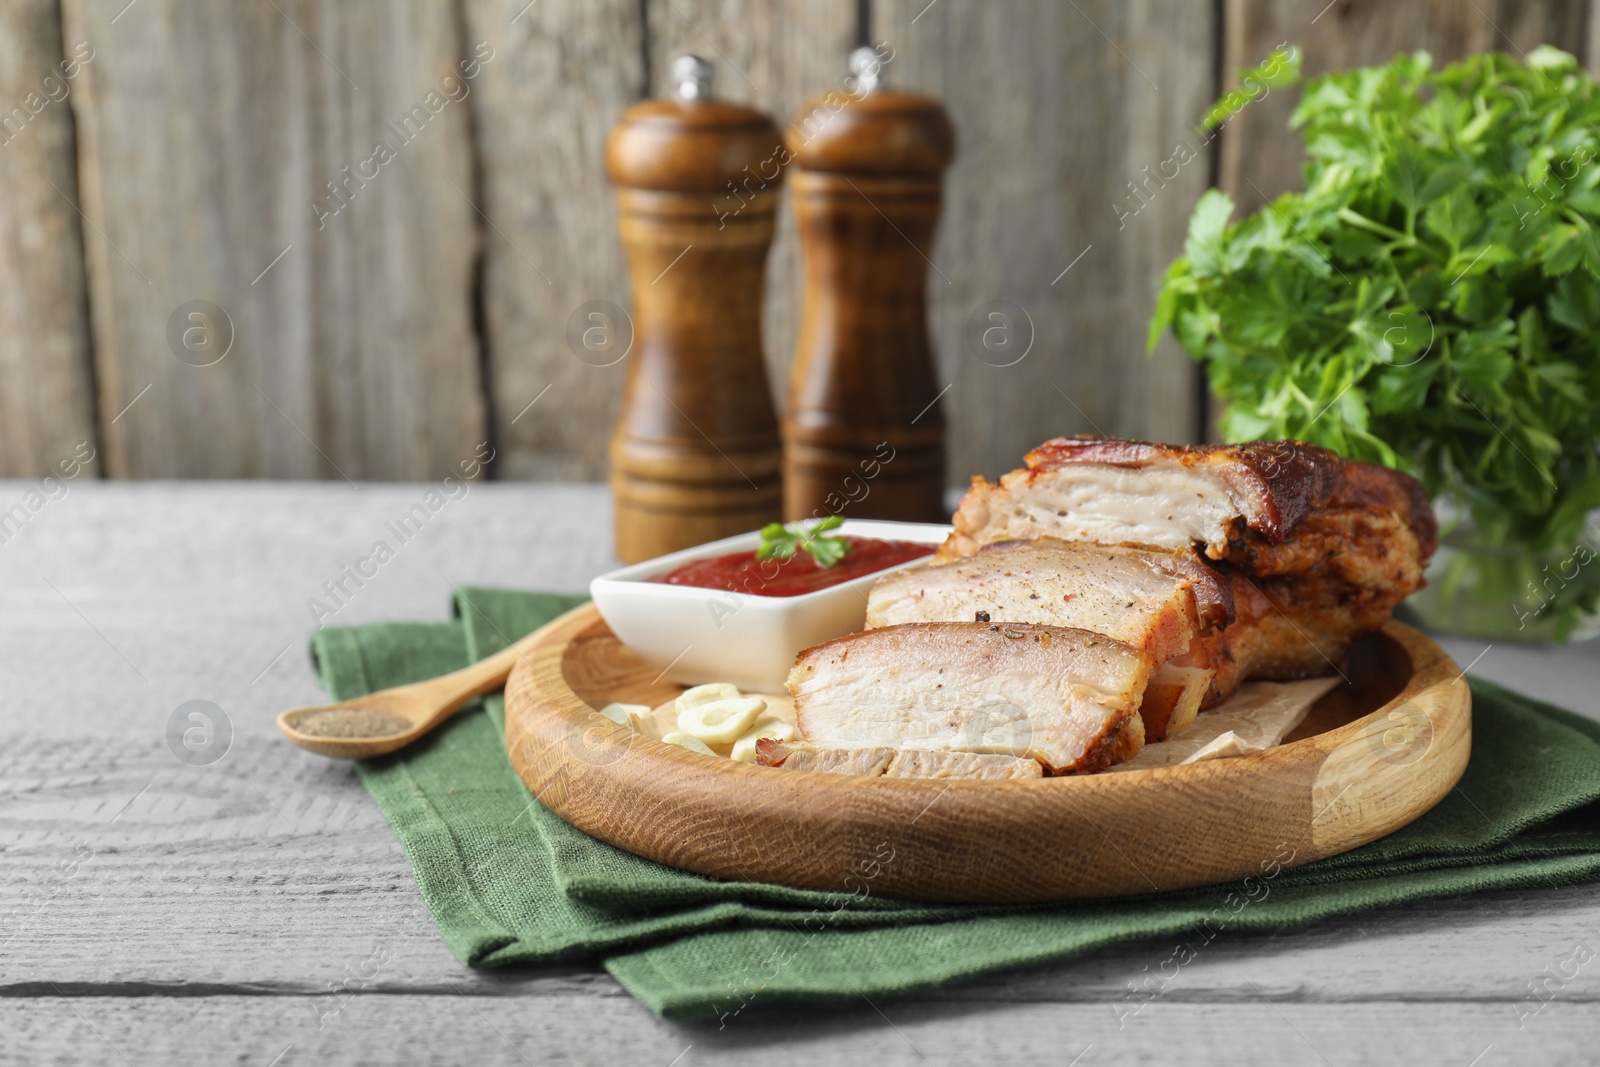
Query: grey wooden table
(258,910)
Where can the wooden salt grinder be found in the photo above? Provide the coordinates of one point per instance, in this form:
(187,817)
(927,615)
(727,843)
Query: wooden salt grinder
(695,452)
(864,433)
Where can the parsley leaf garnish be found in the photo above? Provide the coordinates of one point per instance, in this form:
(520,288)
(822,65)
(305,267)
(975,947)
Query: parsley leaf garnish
(782,541)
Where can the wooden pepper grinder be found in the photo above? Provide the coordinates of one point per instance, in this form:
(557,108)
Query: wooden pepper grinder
(864,433)
(695,453)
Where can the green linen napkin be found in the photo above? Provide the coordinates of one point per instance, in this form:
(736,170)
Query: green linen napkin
(508,882)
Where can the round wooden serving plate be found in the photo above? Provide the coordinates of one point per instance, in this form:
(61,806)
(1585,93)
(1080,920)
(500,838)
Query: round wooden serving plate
(1372,756)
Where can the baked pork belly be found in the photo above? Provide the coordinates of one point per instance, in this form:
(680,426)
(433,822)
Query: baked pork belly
(1173,697)
(1064,697)
(1317,550)
(923,763)
(1230,501)
(1157,602)
(865,762)
(893,763)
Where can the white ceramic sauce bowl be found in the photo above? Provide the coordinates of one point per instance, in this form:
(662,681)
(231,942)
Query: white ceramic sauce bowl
(711,635)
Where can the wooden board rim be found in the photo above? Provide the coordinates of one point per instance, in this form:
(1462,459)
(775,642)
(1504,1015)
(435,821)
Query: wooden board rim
(979,841)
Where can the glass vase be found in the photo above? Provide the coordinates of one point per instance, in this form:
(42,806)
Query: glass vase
(1500,592)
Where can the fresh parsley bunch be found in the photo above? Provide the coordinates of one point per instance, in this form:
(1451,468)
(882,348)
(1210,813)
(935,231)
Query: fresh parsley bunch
(1431,301)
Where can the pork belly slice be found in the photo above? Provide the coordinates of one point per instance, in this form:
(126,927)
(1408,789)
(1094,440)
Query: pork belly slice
(1317,550)
(1299,626)
(1156,602)
(925,763)
(892,763)
(866,762)
(1172,699)
(1217,497)
(1065,697)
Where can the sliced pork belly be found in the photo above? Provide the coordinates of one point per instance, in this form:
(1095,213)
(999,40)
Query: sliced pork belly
(890,763)
(924,763)
(1219,498)
(1067,698)
(1173,698)
(1157,602)
(866,762)
(1317,550)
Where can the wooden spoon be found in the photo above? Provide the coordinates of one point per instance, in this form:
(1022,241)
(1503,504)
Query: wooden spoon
(390,719)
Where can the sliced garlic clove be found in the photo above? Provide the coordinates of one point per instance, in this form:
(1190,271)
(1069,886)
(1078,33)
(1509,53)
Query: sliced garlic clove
(744,749)
(777,731)
(622,714)
(661,721)
(705,694)
(688,741)
(721,721)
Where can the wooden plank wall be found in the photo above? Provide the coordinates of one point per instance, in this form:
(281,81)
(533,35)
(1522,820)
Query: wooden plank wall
(1059,110)
(413,313)
(565,71)
(46,395)
(213,146)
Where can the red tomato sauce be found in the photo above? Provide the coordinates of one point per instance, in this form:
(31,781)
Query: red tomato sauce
(741,572)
